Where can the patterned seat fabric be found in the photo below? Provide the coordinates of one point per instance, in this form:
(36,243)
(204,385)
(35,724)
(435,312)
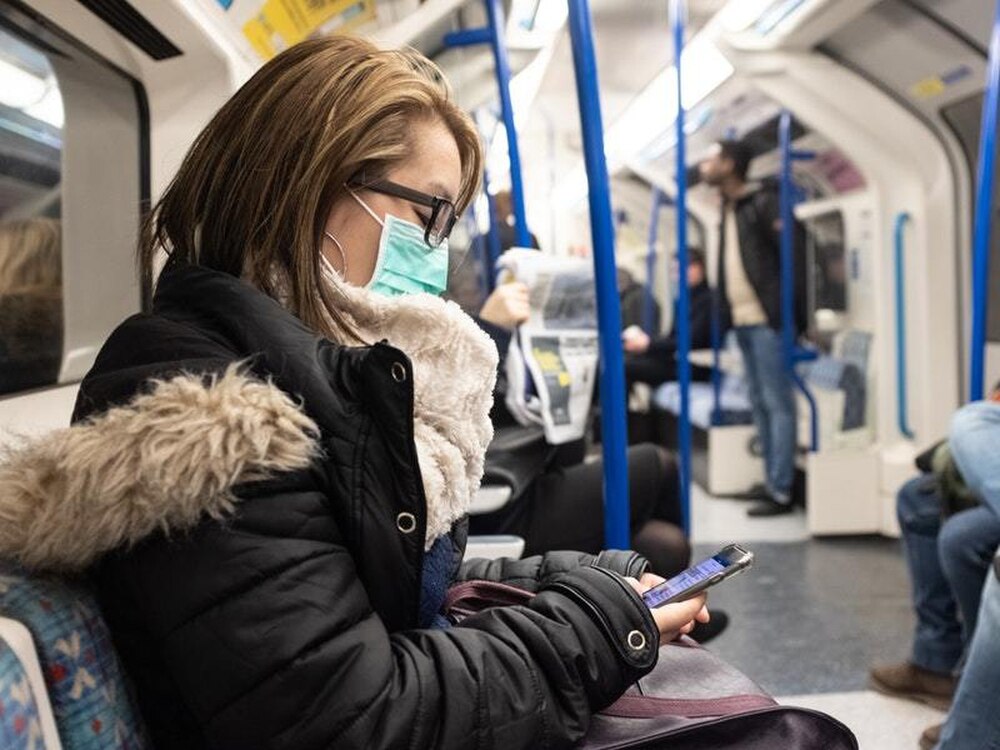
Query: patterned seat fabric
(20,715)
(90,699)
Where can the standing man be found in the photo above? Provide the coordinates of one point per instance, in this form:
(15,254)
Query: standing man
(750,291)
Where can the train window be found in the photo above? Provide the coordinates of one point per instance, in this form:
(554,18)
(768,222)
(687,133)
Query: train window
(828,278)
(964,117)
(31,306)
(72,165)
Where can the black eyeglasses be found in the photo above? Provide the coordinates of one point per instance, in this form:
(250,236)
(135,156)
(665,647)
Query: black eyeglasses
(443,215)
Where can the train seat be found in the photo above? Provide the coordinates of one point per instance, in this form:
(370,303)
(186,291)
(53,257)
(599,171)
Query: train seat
(56,625)
(724,455)
(513,459)
(839,383)
(734,401)
(26,719)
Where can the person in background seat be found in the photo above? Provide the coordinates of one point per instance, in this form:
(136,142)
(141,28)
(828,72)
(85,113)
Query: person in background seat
(503,220)
(557,499)
(950,519)
(559,503)
(973,718)
(652,359)
(750,290)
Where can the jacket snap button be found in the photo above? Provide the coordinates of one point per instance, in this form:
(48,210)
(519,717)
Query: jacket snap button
(636,641)
(407,522)
(398,372)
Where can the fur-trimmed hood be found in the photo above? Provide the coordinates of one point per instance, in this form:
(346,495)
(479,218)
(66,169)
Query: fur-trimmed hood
(169,457)
(174,453)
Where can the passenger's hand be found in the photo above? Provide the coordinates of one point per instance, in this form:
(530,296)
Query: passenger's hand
(673,620)
(507,307)
(635,340)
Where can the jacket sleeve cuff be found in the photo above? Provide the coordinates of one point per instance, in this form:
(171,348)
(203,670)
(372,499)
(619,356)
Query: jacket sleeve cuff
(623,562)
(617,610)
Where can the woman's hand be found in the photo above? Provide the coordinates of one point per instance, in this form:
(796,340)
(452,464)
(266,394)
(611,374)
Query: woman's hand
(673,620)
(507,307)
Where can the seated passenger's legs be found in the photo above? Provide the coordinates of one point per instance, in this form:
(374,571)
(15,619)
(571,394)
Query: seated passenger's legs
(564,509)
(966,545)
(651,369)
(937,641)
(974,722)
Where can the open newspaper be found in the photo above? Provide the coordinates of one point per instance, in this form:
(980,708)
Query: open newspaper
(552,362)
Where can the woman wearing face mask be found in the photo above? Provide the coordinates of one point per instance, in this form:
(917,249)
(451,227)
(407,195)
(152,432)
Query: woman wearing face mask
(268,473)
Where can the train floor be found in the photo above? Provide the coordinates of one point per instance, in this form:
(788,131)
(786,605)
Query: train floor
(812,616)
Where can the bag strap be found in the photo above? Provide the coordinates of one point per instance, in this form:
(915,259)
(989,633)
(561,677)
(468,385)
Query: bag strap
(650,707)
(469,597)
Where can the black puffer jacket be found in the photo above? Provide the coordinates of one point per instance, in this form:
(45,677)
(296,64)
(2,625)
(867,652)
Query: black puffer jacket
(758,225)
(288,620)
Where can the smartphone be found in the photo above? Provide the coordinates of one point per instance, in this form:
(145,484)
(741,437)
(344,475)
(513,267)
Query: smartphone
(727,562)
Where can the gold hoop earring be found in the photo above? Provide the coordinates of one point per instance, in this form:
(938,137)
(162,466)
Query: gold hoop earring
(343,256)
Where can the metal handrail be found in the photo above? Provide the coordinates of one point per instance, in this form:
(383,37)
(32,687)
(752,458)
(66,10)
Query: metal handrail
(902,415)
(492,34)
(677,8)
(788,333)
(612,379)
(984,215)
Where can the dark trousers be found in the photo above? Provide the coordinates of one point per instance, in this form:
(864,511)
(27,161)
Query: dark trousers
(564,510)
(649,369)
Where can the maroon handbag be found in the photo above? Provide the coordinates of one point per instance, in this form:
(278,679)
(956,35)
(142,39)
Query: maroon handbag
(692,699)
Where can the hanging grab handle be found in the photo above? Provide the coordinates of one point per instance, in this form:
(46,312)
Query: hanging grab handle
(902,415)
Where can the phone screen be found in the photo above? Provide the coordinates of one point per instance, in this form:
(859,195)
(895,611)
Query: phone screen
(685,580)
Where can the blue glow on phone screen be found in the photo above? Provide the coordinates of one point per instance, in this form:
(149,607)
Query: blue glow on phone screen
(685,580)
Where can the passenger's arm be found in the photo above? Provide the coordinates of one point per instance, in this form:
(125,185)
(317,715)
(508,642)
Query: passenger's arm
(975,431)
(533,573)
(267,632)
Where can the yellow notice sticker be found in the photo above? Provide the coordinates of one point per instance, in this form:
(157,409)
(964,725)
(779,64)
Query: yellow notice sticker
(928,87)
(281,23)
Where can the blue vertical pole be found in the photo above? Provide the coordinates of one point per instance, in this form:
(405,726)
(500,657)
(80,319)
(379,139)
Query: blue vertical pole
(984,213)
(787,244)
(496,26)
(788,332)
(613,428)
(677,8)
(654,233)
(492,235)
(902,416)
(716,363)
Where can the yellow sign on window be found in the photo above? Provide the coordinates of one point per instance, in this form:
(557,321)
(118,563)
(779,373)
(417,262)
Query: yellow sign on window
(281,23)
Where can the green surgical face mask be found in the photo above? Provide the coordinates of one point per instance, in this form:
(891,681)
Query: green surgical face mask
(406,264)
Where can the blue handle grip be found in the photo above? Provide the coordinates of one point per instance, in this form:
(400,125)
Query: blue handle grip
(902,416)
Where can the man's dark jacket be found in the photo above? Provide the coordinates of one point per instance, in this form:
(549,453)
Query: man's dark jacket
(758,226)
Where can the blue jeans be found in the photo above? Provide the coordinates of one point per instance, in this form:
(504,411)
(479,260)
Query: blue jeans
(773,401)
(974,721)
(948,562)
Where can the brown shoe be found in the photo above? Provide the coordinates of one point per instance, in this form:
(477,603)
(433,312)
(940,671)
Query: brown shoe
(914,683)
(931,736)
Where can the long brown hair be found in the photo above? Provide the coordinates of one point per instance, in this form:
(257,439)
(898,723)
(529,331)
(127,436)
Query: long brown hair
(252,195)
